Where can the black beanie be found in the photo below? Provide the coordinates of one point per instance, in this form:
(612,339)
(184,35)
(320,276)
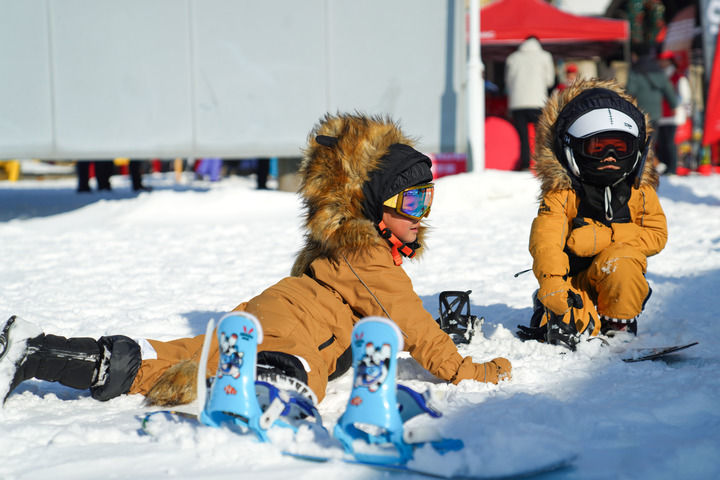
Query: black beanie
(400,168)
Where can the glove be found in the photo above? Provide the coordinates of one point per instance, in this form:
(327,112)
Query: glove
(493,371)
(531,333)
(555,294)
(625,232)
(588,237)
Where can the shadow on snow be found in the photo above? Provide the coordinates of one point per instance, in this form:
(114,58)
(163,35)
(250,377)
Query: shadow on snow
(23,204)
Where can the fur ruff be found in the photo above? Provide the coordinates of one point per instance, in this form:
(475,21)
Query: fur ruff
(552,174)
(332,185)
(176,386)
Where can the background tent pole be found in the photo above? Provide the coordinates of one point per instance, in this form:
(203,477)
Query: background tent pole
(476,94)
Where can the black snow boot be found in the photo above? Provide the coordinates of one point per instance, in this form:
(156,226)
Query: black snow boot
(534,331)
(561,333)
(106,366)
(611,326)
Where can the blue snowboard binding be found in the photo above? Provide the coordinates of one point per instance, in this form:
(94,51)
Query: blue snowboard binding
(372,426)
(235,397)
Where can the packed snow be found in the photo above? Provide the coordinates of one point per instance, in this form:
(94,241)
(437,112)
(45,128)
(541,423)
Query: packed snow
(161,263)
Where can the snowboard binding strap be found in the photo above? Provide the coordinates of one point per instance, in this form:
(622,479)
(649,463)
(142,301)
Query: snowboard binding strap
(232,396)
(236,397)
(371,428)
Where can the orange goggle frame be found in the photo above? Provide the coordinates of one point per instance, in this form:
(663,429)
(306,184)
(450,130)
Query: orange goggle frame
(413,202)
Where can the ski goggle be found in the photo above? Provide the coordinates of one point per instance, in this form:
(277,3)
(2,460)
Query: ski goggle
(413,202)
(623,145)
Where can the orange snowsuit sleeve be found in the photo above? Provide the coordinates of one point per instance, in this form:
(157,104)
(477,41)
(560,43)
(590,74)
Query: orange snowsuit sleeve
(549,233)
(648,230)
(424,340)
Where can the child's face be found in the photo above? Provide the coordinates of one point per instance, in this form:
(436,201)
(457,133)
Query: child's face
(406,229)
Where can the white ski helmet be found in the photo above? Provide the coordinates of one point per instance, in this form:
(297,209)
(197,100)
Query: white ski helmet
(597,125)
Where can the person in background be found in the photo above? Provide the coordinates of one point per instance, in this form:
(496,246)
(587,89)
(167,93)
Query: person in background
(136,168)
(210,168)
(529,75)
(571,74)
(672,118)
(263,170)
(12,169)
(103,170)
(649,85)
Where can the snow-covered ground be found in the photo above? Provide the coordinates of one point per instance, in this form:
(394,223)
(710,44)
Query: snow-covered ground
(160,264)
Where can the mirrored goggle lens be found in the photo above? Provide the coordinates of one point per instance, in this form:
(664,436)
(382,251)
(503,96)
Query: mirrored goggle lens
(600,146)
(417,201)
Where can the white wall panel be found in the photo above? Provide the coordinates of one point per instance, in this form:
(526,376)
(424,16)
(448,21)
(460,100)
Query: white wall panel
(121,76)
(388,58)
(240,78)
(25,83)
(260,74)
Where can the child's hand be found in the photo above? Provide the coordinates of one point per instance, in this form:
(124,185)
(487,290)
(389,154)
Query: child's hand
(588,237)
(493,371)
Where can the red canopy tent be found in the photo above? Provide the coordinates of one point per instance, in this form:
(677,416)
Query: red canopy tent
(505,24)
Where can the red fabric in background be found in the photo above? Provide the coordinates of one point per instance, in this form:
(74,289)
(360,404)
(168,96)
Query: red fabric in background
(502,144)
(512,21)
(711,133)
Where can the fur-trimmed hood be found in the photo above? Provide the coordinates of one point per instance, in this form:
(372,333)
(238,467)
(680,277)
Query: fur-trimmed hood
(334,173)
(551,172)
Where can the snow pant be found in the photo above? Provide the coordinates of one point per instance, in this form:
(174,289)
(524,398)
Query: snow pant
(263,170)
(666,148)
(210,167)
(168,354)
(103,171)
(136,168)
(613,286)
(286,346)
(521,117)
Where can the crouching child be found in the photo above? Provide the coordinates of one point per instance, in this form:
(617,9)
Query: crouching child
(599,217)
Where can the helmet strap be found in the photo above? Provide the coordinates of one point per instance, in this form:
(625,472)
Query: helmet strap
(571,161)
(641,161)
(609,214)
(397,246)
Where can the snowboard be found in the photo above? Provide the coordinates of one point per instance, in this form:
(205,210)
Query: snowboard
(556,466)
(161,420)
(654,353)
